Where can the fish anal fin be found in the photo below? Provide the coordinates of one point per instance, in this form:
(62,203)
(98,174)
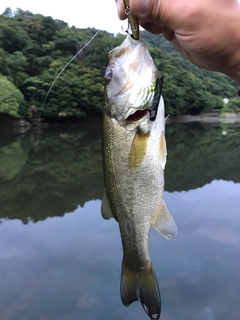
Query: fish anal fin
(141,285)
(163,150)
(164,223)
(105,208)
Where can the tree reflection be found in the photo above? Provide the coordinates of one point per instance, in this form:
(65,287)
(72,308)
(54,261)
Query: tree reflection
(201,153)
(66,170)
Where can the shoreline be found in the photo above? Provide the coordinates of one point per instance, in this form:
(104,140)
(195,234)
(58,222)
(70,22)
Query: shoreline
(206,118)
(23,125)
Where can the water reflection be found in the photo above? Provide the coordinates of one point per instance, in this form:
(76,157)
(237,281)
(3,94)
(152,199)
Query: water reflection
(200,153)
(205,261)
(66,170)
(68,268)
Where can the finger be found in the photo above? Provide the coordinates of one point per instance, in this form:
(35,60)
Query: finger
(153,14)
(140,8)
(121,9)
(161,12)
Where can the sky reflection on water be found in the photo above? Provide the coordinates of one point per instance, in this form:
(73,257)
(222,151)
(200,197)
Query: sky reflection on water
(67,268)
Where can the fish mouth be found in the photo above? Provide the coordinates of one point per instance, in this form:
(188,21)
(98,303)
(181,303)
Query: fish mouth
(136,116)
(138,120)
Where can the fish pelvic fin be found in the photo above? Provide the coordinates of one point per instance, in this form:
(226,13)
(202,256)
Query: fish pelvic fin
(105,208)
(164,223)
(141,285)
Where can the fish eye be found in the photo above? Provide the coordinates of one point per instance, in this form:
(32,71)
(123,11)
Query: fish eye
(108,76)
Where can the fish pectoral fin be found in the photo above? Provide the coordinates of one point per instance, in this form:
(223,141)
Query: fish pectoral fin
(138,150)
(164,222)
(163,151)
(105,208)
(141,285)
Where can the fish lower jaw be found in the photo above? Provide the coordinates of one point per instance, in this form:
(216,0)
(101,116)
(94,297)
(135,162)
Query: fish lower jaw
(139,119)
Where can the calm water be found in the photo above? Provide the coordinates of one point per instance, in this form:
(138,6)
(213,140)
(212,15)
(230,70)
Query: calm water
(59,260)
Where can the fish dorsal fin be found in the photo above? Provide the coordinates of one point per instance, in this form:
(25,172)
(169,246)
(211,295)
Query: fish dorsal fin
(163,150)
(164,222)
(105,208)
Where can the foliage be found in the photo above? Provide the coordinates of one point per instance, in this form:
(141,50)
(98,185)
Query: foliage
(34,49)
(233,105)
(10,97)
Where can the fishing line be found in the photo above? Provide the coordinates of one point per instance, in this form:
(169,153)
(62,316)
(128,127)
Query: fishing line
(42,108)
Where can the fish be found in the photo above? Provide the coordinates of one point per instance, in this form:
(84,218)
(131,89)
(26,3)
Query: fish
(134,157)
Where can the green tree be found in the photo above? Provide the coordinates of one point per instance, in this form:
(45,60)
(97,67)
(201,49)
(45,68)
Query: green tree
(10,97)
(34,49)
(233,105)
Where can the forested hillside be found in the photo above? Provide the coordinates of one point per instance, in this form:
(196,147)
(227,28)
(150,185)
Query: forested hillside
(35,48)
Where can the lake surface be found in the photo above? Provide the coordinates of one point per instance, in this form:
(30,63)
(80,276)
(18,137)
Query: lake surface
(59,260)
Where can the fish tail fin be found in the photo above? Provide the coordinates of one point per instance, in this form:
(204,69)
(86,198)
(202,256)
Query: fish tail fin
(149,293)
(141,285)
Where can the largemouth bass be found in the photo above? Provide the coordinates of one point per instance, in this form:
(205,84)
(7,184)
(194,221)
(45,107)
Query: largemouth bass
(134,157)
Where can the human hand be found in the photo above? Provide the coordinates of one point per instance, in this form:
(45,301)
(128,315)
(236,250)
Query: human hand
(206,32)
